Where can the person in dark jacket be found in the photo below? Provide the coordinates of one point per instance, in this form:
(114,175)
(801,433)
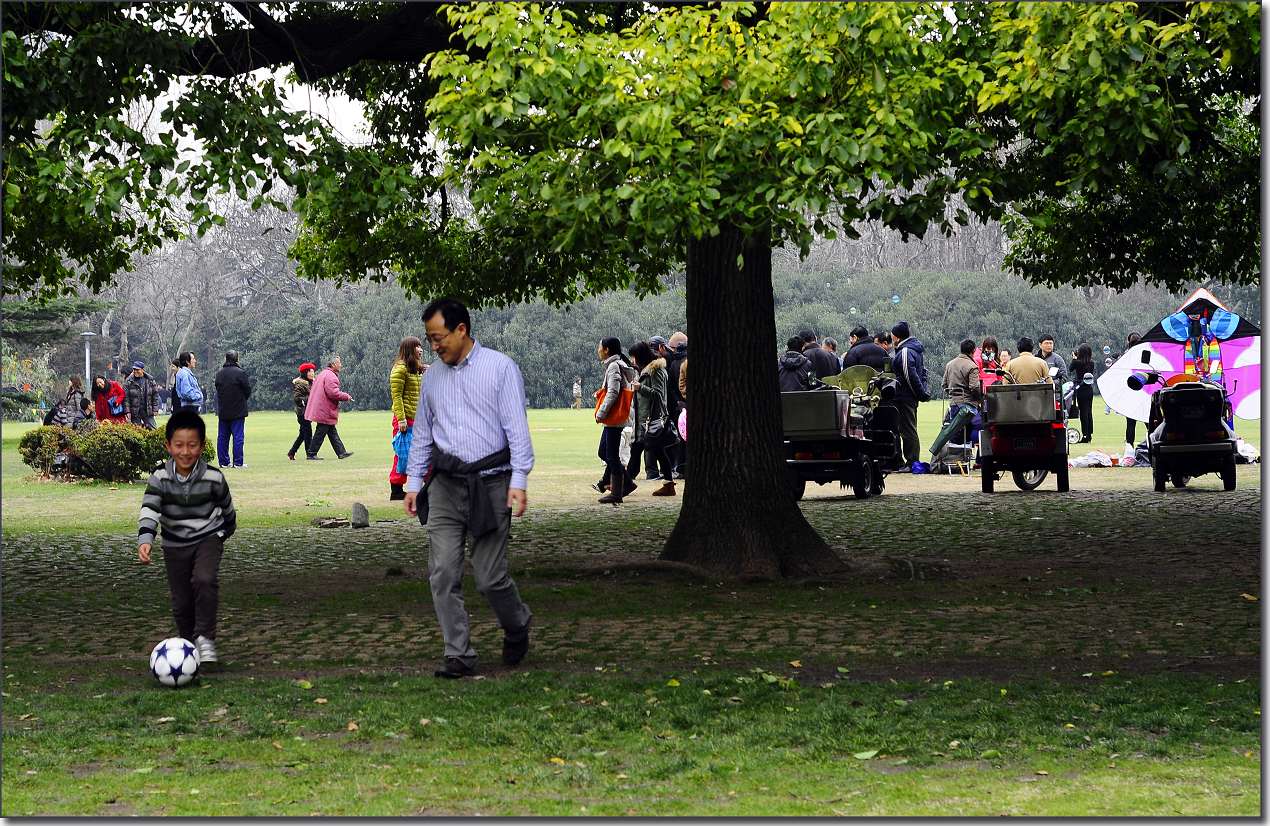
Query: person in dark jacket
(300,386)
(232,392)
(822,361)
(1084,363)
(142,395)
(864,350)
(794,371)
(675,352)
(911,390)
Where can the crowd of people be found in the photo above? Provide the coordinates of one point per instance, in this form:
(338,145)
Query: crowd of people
(642,409)
(807,361)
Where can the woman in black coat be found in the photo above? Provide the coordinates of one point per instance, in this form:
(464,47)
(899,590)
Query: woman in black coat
(1082,364)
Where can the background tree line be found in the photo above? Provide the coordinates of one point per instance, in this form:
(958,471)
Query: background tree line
(235,288)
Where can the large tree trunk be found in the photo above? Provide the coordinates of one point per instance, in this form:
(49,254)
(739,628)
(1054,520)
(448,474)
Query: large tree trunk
(738,516)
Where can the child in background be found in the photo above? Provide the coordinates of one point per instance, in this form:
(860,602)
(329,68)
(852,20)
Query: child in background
(191,501)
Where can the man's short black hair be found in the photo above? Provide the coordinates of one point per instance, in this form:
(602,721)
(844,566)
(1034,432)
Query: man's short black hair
(185,420)
(795,344)
(452,311)
(882,336)
(861,333)
(1045,337)
(1025,345)
(967,347)
(807,335)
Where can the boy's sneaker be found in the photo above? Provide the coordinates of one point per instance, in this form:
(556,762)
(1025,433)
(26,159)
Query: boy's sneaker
(453,669)
(206,650)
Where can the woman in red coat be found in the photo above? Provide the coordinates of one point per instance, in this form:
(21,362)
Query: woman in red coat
(108,397)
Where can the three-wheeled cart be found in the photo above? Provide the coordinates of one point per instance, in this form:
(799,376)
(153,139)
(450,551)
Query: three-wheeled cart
(836,435)
(1025,433)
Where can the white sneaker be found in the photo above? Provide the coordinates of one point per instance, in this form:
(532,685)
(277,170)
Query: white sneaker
(206,650)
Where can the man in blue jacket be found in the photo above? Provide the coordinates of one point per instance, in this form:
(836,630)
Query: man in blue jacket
(910,373)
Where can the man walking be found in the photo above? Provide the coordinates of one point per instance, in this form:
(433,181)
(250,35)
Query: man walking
(911,390)
(142,396)
(675,351)
(471,441)
(232,392)
(323,409)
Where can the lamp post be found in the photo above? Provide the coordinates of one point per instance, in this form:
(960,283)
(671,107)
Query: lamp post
(87,336)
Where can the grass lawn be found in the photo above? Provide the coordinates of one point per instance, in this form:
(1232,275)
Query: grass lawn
(1034,654)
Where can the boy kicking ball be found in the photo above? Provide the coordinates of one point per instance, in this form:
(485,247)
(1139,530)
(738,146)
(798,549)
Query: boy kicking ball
(191,501)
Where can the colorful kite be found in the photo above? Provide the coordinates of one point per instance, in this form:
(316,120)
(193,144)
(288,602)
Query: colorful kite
(1203,339)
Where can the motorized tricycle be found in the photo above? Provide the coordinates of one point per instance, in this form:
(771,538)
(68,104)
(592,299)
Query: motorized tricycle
(843,432)
(1187,430)
(1024,432)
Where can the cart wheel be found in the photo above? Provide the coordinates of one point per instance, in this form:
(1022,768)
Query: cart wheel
(1063,479)
(877,479)
(1029,479)
(1228,475)
(987,474)
(1179,480)
(1073,435)
(797,486)
(860,483)
(1160,478)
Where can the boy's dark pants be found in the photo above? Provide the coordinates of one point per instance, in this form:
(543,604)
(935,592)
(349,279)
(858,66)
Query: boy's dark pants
(195,586)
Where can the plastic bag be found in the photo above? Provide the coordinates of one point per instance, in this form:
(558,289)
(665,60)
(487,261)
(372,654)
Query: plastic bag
(401,446)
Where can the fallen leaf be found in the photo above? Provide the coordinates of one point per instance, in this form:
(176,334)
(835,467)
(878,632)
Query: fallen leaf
(796,663)
(621,776)
(277,745)
(162,720)
(1042,772)
(304,684)
(990,754)
(954,744)
(352,726)
(672,682)
(143,770)
(1108,673)
(1249,597)
(1068,725)
(559,761)
(842,670)
(1087,674)
(424,721)
(865,755)
(320,701)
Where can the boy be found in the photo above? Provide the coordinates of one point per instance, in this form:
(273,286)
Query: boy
(192,503)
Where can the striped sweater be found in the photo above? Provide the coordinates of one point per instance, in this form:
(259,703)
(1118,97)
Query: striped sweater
(188,511)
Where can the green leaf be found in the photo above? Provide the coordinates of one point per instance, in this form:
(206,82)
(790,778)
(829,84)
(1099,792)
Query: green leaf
(865,755)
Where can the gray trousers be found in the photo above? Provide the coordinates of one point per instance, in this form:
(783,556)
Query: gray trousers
(447,534)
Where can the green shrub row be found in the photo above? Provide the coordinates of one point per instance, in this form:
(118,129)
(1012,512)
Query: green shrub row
(105,450)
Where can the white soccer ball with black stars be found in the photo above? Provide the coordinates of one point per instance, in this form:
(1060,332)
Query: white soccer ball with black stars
(174,662)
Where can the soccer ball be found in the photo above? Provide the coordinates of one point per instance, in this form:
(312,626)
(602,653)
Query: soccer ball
(174,662)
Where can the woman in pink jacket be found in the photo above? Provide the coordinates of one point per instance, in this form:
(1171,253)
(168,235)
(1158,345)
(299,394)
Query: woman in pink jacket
(323,409)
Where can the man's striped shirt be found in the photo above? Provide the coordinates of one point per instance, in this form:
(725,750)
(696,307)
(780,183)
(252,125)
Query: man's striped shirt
(469,411)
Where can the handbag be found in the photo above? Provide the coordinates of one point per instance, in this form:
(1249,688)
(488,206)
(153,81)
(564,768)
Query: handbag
(116,408)
(401,447)
(659,434)
(621,410)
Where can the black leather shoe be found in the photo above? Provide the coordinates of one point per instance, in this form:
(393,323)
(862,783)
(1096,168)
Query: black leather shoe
(515,646)
(453,668)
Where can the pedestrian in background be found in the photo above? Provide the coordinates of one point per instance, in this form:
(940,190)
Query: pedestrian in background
(323,409)
(403,392)
(233,389)
(300,387)
(618,378)
(110,400)
(142,394)
(187,395)
(1084,363)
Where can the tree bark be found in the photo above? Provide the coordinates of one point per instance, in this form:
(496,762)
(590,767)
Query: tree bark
(738,517)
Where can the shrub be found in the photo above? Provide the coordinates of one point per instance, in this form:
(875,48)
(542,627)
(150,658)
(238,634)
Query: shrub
(40,446)
(113,452)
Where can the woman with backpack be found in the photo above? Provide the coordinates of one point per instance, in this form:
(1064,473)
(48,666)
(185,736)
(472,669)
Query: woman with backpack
(614,412)
(68,412)
(1084,363)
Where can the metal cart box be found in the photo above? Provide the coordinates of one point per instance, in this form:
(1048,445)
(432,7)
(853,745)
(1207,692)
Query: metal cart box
(815,414)
(1008,403)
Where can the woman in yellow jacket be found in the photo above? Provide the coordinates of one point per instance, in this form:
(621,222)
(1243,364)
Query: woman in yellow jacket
(403,388)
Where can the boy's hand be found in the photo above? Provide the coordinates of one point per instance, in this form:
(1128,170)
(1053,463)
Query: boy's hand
(143,553)
(409,502)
